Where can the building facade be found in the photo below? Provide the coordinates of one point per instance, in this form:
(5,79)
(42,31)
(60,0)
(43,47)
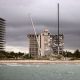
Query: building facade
(2,34)
(33,45)
(54,43)
(45,43)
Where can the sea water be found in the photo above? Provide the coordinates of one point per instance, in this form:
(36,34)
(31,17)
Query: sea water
(40,72)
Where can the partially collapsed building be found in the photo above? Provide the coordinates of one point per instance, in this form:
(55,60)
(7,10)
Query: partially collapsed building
(45,43)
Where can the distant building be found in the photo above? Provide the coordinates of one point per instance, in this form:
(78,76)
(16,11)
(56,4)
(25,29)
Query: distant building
(44,43)
(2,34)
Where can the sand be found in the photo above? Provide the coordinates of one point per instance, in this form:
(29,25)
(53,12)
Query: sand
(38,62)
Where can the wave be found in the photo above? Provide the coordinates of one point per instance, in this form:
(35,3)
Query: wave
(26,65)
(14,64)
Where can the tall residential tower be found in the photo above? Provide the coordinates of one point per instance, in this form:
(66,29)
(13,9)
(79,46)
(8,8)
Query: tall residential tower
(2,34)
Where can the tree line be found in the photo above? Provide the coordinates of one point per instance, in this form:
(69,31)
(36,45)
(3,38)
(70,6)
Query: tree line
(4,55)
(73,56)
(13,55)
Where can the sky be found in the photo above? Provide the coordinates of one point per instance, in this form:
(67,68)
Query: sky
(44,14)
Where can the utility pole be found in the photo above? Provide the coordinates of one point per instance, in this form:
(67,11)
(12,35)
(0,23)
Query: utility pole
(58,28)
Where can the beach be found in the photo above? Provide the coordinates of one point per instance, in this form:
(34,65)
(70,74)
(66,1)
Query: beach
(39,62)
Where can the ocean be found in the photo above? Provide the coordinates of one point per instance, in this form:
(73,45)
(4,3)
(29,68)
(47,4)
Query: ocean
(40,72)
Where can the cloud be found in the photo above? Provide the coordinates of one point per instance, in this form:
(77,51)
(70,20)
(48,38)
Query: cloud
(17,49)
(44,14)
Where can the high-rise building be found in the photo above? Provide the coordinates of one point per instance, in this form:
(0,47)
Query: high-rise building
(45,43)
(33,45)
(2,34)
(54,43)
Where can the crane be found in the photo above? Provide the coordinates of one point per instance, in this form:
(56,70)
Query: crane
(35,34)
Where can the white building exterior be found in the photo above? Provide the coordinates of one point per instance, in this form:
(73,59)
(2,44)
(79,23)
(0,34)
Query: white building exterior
(44,43)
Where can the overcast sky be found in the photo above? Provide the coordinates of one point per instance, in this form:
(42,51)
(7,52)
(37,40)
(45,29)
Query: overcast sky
(44,14)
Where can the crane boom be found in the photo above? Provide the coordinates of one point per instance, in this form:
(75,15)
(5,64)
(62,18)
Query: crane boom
(34,31)
(33,26)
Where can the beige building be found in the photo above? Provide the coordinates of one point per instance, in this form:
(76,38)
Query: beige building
(44,43)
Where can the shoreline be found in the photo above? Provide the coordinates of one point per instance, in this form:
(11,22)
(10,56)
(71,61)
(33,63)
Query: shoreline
(38,62)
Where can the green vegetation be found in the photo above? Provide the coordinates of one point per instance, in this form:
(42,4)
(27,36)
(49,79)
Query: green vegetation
(72,56)
(22,56)
(12,55)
